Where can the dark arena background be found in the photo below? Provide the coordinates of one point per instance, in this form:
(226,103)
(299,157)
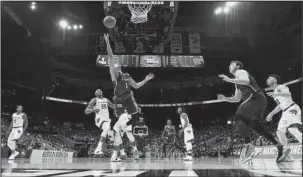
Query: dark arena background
(48,65)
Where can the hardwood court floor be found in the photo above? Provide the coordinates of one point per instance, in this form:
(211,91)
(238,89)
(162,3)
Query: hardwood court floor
(201,167)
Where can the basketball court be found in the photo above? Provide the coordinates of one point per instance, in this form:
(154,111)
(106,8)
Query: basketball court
(150,167)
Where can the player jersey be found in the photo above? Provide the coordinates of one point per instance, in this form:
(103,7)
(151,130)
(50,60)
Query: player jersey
(183,121)
(18,120)
(169,130)
(122,86)
(247,90)
(102,105)
(283,101)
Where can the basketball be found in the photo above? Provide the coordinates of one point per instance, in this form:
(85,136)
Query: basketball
(109,21)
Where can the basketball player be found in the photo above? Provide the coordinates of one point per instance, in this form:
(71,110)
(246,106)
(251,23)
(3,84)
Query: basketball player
(17,128)
(291,115)
(122,127)
(99,105)
(250,111)
(188,133)
(123,96)
(169,137)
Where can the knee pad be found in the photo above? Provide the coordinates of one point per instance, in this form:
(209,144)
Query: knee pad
(130,136)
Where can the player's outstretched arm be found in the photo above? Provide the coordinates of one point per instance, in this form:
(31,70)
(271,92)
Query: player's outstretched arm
(282,90)
(90,107)
(242,78)
(273,112)
(235,99)
(135,85)
(112,68)
(110,104)
(25,122)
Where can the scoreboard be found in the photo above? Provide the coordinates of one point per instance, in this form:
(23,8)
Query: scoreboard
(155,61)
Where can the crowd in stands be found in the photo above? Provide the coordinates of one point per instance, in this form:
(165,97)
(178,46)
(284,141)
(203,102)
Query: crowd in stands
(209,141)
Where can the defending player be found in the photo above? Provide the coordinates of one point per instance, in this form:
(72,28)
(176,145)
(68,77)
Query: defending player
(291,115)
(250,111)
(169,137)
(17,128)
(121,127)
(123,96)
(99,105)
(188,132)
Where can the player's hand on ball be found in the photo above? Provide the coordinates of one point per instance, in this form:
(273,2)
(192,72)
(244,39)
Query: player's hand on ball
(149,76)
(269,118)
(224,77)
(221,97)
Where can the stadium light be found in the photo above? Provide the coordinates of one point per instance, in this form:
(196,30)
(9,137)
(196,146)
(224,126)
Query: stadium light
(218,11)
(226,10)
(230,4)
(80,26)
(33,7)
(69,27)
(75,27)
(63,24)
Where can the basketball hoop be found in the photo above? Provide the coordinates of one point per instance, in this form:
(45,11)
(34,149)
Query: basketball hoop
(140,10)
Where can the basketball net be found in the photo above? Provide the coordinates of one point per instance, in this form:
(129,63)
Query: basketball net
(139,11)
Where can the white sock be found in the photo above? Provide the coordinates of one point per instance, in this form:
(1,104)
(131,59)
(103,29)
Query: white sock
(296,133)
(282,137)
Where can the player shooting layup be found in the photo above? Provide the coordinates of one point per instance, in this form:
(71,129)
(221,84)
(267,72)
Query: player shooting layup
(17,128)
(291,115)
(124,97)
(99,106)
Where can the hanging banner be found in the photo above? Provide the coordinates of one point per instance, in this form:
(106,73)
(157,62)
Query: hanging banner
(194,43)
(119,48)
(159,48)
(176,43)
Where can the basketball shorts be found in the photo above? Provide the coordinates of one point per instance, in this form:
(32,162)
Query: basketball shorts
(188,134)
(290,116)
(101,122)
(253,107)
(15,133)
(126,103)
(170,139)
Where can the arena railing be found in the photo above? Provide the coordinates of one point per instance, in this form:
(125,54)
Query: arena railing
(165,105)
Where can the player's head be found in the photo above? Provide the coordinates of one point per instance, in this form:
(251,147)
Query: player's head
(234,66)
(180,110)
(98,93)
(168,122)
(273,79)
(118,67)
(19,108)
